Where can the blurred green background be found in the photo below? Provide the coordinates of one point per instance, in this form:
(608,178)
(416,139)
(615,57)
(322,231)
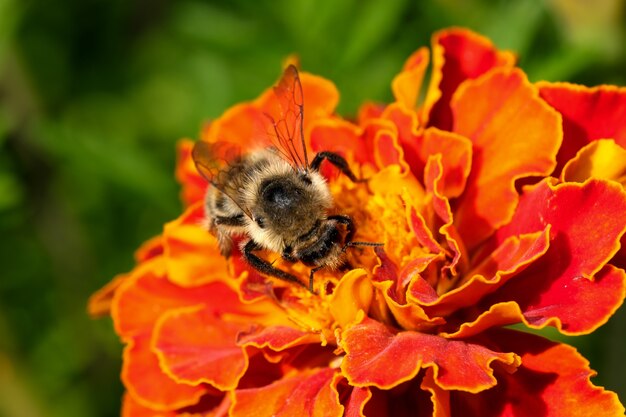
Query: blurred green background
(94,95)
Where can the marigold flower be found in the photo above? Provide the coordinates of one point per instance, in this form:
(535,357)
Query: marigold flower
(498,201)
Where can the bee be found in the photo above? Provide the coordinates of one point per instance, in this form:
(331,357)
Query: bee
(275,198)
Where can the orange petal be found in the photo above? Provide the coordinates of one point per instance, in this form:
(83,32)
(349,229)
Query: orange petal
(192,255)
(311,393)
(369,111)
(439,397)
(407,84)
(341,137)
(376,356)
(99,303)
(456,158)
(553,380)
(150,249)
(458,55)
(589,113)
(601,158)
(320,100)
(353,293)
(381,137)
(145,296)
(208,406)
(570,286)
(498,315)
(194,346)
(148,385)
(406,124)
(515,135)
(193,185)
(241,125)
(433,174)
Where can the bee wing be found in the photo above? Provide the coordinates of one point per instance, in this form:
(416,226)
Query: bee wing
(211,160)
(287,132)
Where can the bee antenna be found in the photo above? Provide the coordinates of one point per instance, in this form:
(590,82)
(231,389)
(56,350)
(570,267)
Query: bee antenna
(353,244)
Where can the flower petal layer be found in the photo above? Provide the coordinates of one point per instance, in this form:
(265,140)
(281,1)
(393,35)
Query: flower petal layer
(193,185)
(209,406)
(359,396)
(199,266)
(569,286)
(195,346)
(553,381)
(377,356)
(458,55)
(601,158)
(504,263)
(514,135)
(589,113)
(312,393)
(408,83)
(146,288)
(149,385)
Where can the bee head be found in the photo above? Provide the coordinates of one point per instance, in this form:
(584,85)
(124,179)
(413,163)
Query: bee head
(290,206)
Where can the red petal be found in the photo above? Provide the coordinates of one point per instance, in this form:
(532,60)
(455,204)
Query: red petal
(357,401)
(504,263)
(506,148)
(146,382)
(312,393)
(376,356)
(194,346)
(193,185)
(553,381)
(588,114)
(277,338)
(570,287)
(192,255)
(458,55)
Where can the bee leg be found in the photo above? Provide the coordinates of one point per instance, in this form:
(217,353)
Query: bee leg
(223,236)
(313,271)
(265,267)
(235,221)
(347,221)
(338,161)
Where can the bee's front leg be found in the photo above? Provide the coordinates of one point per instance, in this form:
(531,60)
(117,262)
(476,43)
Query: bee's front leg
(221,227)
(338,161)
(265,267)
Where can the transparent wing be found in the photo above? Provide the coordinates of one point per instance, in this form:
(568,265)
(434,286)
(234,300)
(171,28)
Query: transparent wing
(287,132)
(212,162)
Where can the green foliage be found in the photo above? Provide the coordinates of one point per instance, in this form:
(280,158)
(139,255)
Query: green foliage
(94,95)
